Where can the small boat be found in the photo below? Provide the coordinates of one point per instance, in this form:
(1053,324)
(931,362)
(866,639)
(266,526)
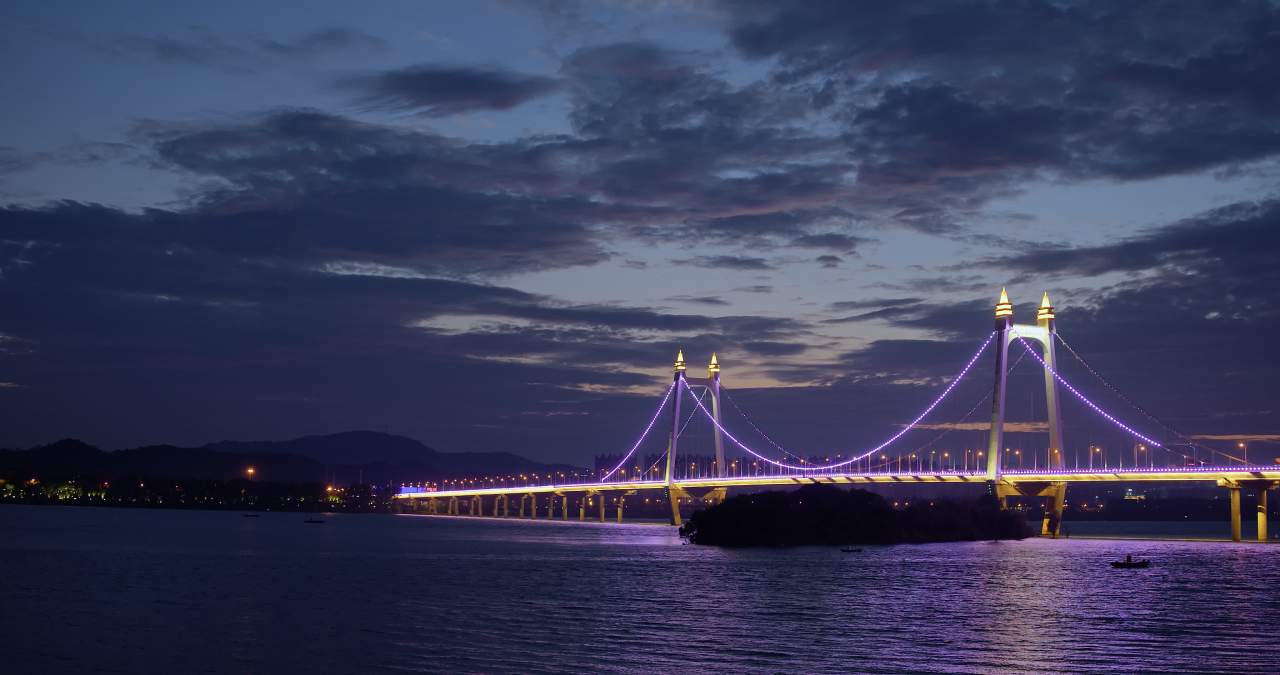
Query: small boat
(1130,564)
(315,521)
(249,515)
(850,549)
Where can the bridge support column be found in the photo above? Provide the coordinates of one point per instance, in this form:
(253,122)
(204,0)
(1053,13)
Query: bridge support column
(1234,491)
(1262,513)
(601,498)
(582,507)
(1054,502)
(674,494)
(453,506)
(621,501)
(551,507)
(564,507)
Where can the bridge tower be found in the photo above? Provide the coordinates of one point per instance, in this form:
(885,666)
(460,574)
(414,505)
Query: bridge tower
(673,492)
(1042,331)
(712,384)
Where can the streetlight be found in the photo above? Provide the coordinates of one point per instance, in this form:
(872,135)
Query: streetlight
(1244,452)
(250,471)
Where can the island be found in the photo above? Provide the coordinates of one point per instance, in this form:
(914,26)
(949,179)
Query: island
(825,515)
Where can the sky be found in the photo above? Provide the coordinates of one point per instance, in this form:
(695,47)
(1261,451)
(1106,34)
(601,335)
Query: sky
(490,225)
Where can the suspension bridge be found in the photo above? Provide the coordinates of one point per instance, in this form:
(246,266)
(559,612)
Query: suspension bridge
(992,468)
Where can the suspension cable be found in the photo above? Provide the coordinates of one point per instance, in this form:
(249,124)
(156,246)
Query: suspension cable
(1116,390)
(644,435)
(817,467)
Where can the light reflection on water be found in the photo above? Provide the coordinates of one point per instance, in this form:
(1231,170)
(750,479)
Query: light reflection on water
(107,590)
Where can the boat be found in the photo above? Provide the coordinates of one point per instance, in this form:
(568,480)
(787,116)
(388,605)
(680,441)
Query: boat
(850,549)
(249,515)
(1130,564)
(317,521)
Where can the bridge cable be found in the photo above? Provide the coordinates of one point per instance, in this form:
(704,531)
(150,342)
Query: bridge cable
(817,467)
(1083,399)
(984,399)
(1116,390)
(724,393)
(692,412)
(656,414)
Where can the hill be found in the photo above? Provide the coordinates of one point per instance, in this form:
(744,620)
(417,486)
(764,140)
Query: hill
(348,457)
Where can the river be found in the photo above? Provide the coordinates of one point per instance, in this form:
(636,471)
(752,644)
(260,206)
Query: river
(160,591)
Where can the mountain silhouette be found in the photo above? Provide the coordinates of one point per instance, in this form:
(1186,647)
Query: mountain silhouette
(347,457)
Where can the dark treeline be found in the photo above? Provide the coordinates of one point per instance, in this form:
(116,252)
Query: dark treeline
(825,515)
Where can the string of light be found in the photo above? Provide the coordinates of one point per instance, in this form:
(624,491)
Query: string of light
(818,467)
(1083,399)
(661,406)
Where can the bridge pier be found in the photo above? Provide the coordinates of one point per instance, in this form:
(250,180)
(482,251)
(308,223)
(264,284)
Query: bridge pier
(582,507)
(564,507)
(1234,491)
(1053,507)
(453,506)
(1262,512)
(551,507)
(601,496)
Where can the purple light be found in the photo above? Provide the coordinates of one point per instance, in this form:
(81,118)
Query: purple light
(878,448)
(1084,400)
(645,435)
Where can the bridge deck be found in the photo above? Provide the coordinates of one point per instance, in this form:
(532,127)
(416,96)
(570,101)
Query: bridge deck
(1207,474)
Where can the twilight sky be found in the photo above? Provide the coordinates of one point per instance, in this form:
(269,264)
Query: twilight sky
(489,225)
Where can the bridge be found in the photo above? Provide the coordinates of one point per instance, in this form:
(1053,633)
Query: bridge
(1181,459)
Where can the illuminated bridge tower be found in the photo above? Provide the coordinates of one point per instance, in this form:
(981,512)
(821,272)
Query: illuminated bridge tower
(712,384)
(1043,331)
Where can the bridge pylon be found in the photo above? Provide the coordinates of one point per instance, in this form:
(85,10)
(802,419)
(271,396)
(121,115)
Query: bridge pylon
(712,384)
(1043,332)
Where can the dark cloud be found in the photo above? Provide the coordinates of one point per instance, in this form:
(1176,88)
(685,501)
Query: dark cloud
(754,289)
(949,104)
(699,299)
(839,243)
(240,53)
(767,348)
(435,91)
(727,262)
(148,310)
(829,261)
(873,303)
(1243,233)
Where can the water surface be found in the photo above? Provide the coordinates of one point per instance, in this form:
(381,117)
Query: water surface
(157,591)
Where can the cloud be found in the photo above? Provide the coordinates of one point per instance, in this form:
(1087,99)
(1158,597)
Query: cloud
(873,303)
(839,243)
(829,261)
(942,124)
(237,53)
(435,91)
(727,262)
(699,299)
